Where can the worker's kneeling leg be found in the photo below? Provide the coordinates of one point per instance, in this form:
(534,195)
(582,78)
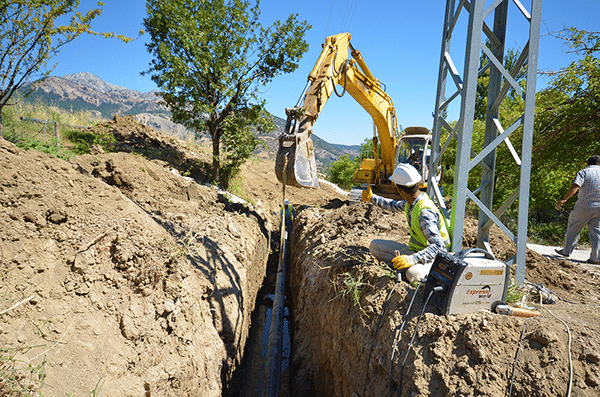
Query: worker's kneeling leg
(385,250)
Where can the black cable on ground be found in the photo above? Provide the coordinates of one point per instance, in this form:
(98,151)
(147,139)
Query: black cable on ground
(376,330)
(399,334)
(435,289)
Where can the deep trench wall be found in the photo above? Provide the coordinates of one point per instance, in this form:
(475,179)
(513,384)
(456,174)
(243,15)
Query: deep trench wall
(332,336)
(142,280)
(227,241)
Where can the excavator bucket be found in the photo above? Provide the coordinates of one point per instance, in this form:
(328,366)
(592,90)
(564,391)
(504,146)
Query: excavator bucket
(296,155)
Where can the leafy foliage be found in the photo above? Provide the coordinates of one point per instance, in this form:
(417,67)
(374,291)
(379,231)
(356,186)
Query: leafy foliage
(210,60)
(567,124)
(510,61)
(566,127)
(566,133)
(240,139)
(569,107)
(30,36)
(85,139)
(341,171)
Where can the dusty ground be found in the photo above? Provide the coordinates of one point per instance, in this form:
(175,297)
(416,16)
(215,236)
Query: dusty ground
(466,355)
(120,277)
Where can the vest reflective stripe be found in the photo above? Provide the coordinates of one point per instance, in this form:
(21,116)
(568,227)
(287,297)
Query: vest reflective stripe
(418,241)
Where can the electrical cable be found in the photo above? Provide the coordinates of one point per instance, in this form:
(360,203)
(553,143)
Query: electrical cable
(331,6)
(435,289)
(352,14)
(343,25)
(542,289)
(376,330)
(399,334)
(569,388)
(348,14)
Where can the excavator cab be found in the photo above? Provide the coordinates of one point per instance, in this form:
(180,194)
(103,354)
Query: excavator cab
(414,148)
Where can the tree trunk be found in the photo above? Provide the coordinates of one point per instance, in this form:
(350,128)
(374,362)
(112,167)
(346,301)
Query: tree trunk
(1,125)
(216,163)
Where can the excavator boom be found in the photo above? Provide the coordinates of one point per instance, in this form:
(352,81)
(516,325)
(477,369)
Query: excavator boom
(339,64)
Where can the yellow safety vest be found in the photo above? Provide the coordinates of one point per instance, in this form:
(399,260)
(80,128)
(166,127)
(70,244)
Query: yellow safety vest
(418,241)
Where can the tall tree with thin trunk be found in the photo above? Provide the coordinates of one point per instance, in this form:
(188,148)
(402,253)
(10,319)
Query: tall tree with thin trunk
(30,35)
(211,58)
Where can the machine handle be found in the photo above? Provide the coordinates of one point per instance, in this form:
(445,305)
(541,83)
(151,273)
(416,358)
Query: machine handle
(463,254)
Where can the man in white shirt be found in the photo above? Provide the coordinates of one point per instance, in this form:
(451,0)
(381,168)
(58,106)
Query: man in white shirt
(586,210)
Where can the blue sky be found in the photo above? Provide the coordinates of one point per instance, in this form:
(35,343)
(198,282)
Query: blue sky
(400,41)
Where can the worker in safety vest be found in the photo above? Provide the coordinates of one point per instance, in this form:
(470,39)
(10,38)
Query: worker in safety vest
(428,230)
(289,209)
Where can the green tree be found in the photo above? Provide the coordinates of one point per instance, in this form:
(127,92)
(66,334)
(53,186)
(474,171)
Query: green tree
(567,122)
(210,60)
(30,36)
(341,171)
(568,119)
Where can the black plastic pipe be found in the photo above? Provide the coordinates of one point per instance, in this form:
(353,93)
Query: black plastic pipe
(274,349)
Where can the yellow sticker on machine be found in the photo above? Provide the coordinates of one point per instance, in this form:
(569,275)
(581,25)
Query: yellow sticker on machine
(491,272)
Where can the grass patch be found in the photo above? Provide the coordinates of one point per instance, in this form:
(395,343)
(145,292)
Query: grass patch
(85,139)
(353,287)
(19,378)
(34,126)
(236,187)
(515,294)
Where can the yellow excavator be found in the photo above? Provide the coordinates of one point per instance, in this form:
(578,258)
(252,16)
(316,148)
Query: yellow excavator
(341,64)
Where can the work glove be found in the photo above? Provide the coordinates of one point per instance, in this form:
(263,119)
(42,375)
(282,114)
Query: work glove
(402,262)
(367,194)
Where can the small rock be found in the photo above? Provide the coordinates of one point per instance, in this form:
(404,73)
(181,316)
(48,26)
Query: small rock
(591,356)
(544,336)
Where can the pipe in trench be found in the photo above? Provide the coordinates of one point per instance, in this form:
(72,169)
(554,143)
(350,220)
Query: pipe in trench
(274,349)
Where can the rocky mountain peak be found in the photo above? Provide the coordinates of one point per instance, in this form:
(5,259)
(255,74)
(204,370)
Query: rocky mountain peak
(94,82)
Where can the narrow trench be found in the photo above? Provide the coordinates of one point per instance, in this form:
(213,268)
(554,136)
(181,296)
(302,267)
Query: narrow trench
(251,378)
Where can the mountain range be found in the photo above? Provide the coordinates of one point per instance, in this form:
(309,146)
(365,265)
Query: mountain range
(87,92)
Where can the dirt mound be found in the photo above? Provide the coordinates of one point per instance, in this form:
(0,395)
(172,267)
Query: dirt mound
(345,332)
(119,275)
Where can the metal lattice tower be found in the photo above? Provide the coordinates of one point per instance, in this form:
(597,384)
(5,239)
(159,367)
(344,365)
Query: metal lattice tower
(486,23)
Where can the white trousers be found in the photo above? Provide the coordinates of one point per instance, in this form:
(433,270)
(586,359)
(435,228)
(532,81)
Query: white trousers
(578,218)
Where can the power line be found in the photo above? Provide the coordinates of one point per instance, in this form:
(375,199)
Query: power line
(348,14)
(331,6)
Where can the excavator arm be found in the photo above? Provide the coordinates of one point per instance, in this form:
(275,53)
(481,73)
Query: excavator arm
(338,65)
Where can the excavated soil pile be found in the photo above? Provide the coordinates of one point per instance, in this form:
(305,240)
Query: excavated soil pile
(343,346)
(120,277)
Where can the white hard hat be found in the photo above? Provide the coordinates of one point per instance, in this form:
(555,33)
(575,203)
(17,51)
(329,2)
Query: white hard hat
(405,175)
